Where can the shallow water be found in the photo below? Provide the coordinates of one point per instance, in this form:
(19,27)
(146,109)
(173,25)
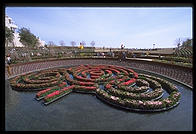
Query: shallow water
(85,112)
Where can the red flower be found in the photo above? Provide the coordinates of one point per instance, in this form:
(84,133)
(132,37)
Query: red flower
(112,82)
(67,88)
(43,91)
(62,84)
(129,82)
(86,83)
(135,75)
(108,86)
(53,94)
(115,70)
(90,88)
(108,71)
(94,77)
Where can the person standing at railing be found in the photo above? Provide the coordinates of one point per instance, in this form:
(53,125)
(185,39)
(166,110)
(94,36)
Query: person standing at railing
(122,46)
(81,46)
(8,62)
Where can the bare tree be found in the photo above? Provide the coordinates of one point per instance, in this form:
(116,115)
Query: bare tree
(51,44)
(83,43)
(62,43)
(73,43)
(92,43)
(178,42)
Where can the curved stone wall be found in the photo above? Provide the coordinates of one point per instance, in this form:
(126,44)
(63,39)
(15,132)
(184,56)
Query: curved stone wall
(179,73)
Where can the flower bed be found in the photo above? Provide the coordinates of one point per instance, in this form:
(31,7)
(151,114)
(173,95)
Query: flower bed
(139,105)
(143,96)
(58,93)
(122,87)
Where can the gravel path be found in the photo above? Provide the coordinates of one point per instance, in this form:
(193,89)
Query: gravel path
(180,74)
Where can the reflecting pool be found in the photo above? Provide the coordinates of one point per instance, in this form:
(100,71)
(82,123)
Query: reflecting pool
(85,112)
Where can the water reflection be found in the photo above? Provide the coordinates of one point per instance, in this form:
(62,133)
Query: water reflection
(85,112)
(11,97)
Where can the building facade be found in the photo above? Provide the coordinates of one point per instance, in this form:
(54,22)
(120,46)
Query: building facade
(16,41)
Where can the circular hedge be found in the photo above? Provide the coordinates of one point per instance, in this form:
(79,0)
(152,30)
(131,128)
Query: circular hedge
(115,85)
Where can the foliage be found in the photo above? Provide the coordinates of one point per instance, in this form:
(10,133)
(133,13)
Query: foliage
(184,52)
(187,43)
(9,36)
(177,59)
(175,63)
(27,38)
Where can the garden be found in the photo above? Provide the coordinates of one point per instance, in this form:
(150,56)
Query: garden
(116,85)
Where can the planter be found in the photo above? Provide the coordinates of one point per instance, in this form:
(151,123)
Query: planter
(46,103)
(135,109)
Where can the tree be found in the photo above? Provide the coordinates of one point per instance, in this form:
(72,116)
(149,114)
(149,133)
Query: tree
(187,43)
(9,37)
(51,44)
(51,51)
(27,38)
(62,43)
(178,42)
(92,43)
(73,43)
(83,43)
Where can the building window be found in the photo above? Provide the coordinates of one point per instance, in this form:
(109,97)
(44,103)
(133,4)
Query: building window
(10,21)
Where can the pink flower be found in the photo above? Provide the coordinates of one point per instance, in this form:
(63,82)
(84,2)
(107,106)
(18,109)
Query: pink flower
(114,98)
(140,102)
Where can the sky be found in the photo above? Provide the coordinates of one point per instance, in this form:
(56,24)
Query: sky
(109,27)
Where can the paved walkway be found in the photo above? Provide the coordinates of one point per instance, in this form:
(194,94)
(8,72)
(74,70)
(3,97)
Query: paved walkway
(182,75)
(140,59)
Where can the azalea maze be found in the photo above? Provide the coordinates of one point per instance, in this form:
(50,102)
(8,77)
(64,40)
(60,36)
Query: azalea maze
(119,86)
